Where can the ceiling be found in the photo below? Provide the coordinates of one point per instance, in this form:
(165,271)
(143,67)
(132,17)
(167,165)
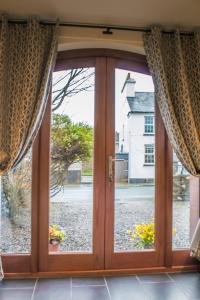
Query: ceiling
(185,13)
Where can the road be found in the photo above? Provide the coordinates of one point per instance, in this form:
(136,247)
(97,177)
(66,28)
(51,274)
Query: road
(122,193)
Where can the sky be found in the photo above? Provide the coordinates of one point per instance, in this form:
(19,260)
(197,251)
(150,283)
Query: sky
(80,108)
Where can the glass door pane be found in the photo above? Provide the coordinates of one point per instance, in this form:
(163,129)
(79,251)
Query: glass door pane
(134,162)
(72,144)
(181,205)
(15,207)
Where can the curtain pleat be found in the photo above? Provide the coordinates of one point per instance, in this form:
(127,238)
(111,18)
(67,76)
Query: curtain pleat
(27,57)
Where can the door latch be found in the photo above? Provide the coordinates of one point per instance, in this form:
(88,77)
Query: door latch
(110,168)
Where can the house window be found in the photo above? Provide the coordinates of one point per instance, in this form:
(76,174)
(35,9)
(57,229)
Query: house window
(148,125)
(149,154)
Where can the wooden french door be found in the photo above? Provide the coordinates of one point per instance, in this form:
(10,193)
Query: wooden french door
(129,256)
(103,253)
(91,256)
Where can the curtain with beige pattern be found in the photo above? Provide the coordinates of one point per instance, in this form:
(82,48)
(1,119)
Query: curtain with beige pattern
(27,57)
(174,62)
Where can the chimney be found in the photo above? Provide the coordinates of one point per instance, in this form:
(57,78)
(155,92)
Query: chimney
(130,86)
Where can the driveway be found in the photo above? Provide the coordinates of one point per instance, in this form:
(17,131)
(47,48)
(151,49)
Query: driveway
(122,192)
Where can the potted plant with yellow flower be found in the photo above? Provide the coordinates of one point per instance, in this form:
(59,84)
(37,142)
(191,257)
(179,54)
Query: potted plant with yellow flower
(56,237)
(143,235)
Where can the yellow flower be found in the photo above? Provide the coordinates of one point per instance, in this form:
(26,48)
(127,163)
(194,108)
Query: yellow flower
(143,233)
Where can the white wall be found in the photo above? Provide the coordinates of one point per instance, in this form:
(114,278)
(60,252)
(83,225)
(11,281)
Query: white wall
(137,140)
(80,38)
(76,166)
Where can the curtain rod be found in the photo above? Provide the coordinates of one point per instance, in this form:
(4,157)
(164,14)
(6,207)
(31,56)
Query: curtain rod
(107,28)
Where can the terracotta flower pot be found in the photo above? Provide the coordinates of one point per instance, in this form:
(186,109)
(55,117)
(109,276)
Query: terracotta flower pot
(148,246)
(54,247)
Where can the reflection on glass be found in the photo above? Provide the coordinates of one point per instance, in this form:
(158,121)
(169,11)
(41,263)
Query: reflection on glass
(181,205)
(72,140)
(134,161)
(16,208)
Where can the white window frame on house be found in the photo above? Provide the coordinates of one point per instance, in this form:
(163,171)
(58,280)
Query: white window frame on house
(149,154)
(149,125)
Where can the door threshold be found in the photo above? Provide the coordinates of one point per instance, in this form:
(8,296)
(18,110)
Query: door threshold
(112,272)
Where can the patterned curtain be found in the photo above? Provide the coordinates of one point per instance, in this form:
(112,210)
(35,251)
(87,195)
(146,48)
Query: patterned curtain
(27,57)
(174,62)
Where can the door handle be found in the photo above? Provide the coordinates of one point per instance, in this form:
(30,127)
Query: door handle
(110,168)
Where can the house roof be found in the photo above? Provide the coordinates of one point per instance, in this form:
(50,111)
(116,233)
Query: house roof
(143,102)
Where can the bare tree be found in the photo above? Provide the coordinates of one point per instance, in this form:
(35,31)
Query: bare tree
(71,83)
(67,85)
(17,190)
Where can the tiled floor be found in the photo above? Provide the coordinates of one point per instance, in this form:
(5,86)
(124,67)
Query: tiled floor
(181,286)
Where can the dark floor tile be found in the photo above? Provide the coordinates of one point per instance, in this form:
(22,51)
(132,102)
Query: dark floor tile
(185,277)
(82,281)
(154,278)
(121,280)
(126,288)
(164,291)
(51,289)
(16,294)
(90,293)
(17,283)
(189,283)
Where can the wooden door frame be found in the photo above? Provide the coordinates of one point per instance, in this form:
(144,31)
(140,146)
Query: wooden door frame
(29,263)
(68,60)
(179,257)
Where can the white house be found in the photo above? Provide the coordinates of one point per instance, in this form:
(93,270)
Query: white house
(136,137)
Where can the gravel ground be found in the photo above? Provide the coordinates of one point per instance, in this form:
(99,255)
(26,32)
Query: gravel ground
(76,220)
